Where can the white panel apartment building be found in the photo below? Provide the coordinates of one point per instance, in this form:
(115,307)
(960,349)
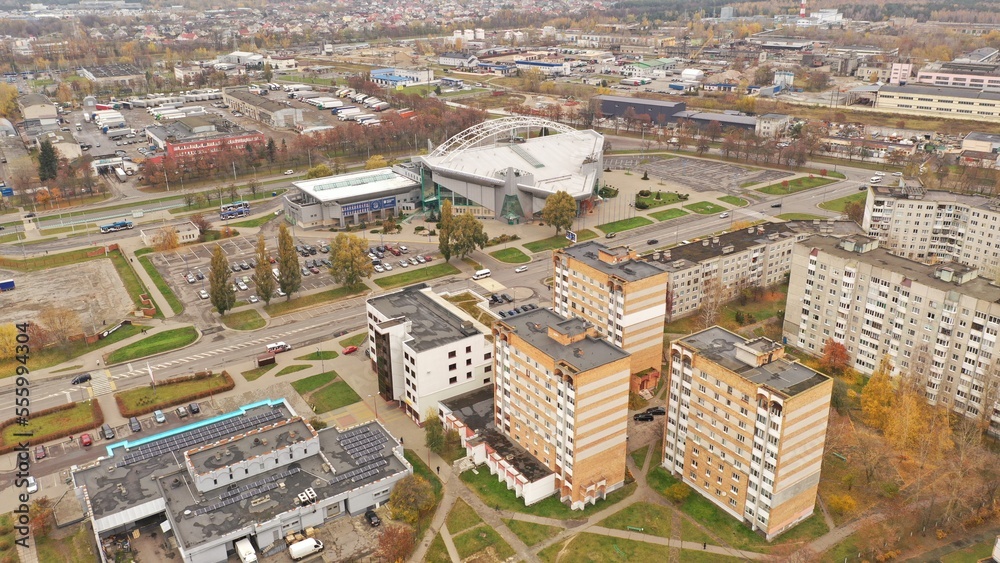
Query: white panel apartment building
(935,226)
(938,322)
(424,349)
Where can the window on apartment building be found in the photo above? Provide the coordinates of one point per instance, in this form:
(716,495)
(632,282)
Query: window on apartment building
(453,380)
(452,367)
(452,354)
(468,349)
(486,356)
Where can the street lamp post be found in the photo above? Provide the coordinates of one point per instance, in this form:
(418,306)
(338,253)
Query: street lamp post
(375,404)
(322,364)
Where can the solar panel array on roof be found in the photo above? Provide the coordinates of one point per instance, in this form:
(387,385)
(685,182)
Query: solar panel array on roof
(363,444)
(259,483)
(200,435)
(238,498)
(354,473)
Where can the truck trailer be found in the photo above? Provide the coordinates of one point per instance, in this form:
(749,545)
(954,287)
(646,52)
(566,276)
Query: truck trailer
(6,285)
(245,551)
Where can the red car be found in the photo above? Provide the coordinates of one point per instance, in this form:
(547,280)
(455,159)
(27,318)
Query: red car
(85,440)
(271,259)
(350,350)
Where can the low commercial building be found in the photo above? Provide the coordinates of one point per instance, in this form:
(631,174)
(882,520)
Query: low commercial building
(746,428)
(37,106)
(458,60)
(121,74)
(64,144)
(982,142)
(425,350)
(351,199)
(659,111)
(701,119)
(561,396)
(772,125)
(393,77)
(936,323)
(622,296)
(269,112)
(961,74)
(940,101)
(547,68)
(281,63)
(191,137)
(187,233)
(260,472)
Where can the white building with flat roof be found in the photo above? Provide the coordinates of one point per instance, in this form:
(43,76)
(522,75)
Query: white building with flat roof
(349,199)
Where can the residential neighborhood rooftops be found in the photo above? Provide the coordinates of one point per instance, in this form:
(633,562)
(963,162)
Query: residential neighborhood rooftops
(583,354)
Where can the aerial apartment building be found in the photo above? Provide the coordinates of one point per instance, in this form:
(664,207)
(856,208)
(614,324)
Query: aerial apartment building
(561,396)
(746,427)
(757,256)
(933,226)
(621,295)
(938,323)
(424,349)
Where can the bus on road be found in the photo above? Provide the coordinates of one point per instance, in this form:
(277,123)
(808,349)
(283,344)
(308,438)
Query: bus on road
(117,226)
(234,214)
(234,205)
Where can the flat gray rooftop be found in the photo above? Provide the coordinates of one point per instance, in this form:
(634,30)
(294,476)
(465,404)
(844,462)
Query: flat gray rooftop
(719,345)
(251,444)
(115,487)
(262,102)
(199,526)
(521,459)
(631,270)
(585,354)
(474,408)
(740,240)
(980,288)
(431,324)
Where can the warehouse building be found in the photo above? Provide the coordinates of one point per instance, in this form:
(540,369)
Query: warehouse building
(269,112)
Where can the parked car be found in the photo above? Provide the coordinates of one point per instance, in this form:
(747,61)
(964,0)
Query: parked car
(235,267)
(86,440)
(350,350)
(241,286)
(32,485)
(413,261)
(520,269)
(657,411)
(404,264)
(81,379)
(305,271)
(403,249)
(182,412)
(191,279)
(253,299)
(502,314)
(506,298)
(897,174)
(862,188)
(387,266)
(289,172)
(40,452)
(159,417)
(199,276)
(378,269)
(203,294)
(427,257)
(395,251)
(244,266)
(420,258)
(372,519)
(134,425)
(195,408)
(314,270)
(642,417)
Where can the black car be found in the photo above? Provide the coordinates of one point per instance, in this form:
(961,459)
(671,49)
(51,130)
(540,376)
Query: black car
(506,298)
(656,411)
(199,275)
(80,379)
(134,425)
(195,408)
(29,215)
(642,417)
(372,519)
(503,315)
(862,188)
(652,241)
(775,205)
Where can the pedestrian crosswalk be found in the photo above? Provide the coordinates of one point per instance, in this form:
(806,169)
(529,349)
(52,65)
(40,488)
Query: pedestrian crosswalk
(99,382)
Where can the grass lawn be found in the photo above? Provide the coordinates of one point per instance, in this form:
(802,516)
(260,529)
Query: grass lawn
(668,214)
(314,382)
(971,554)
(462,517)
(466,302)
(530,533)
(510,256)
(705,207)
(167,393)
(654,519)
(356,340)
(333,396)
(495,493)
(420,468)
(666,198)
(77,548)
(639,456)
(437,552)
(255,373)
(51,424)
(291,369)
(796,185)
(478,540)
(57,354)
(558,241)
(8,551)
(244,320)
(801,217)
(594,548)
(155,344)
(417,275)
(733,200)
(764,308)
(841,202)
(691,532)
(175,304)
(254,222)
(282,307)
(844,551)
(624,225)
(131,280)
(317,356)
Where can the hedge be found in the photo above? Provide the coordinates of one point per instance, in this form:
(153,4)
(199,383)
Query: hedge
(95,408)
(146,409)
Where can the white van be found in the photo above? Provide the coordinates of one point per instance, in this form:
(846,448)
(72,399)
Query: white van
(875,179)
(482,274)
(304,548)
(278,347)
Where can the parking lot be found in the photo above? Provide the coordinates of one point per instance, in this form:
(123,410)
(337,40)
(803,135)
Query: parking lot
(91,290)
(699,175)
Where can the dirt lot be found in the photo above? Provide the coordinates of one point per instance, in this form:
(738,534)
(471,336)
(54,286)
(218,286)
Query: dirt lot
(92,290)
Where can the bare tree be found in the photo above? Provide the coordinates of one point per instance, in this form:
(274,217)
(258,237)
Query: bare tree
(711,303)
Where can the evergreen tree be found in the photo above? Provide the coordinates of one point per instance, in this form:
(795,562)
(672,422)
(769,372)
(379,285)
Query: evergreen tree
(48,162)
(271,150)
(262,276)
(220,291)
(288,263)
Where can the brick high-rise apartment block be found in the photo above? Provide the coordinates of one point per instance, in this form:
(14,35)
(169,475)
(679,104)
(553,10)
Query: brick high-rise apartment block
(562,395)
(622,296)
(746,427)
